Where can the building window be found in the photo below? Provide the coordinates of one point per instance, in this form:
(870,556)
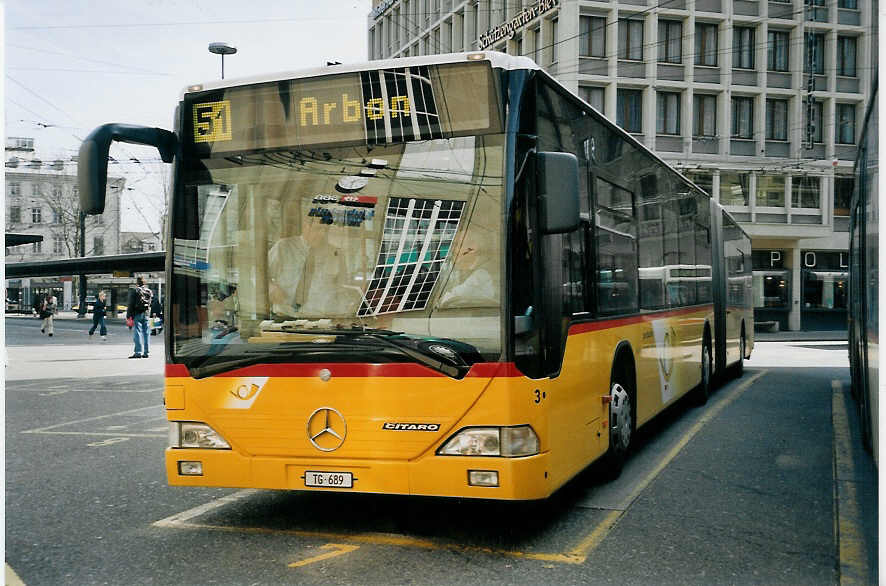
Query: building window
(703,180)
(667,119)
(98,246)
(56,216)
(705,44)
(630,39)
(629,110)
(555,44)
(532,38)
(743,47)
(15,214)
(594,96)
(14,189)
(845,124)
(734,189)
(777,47)
(742,117)
(806,193)
(36,215)
(817,118)
(592,42)
(843,187)
(58,244)
(770,191)
(37,247)
(776,119)
(704,115)
(815,47)
(853,4)
(670,41)
(846,56)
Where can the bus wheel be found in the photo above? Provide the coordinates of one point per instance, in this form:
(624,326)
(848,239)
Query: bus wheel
(621,427)
(703,391)
(739,368)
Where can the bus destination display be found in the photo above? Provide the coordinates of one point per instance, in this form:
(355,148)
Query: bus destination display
(375,107)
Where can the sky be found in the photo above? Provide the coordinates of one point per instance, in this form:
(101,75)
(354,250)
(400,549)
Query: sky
(71,66)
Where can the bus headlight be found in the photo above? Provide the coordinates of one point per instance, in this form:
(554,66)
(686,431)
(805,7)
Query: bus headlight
(509,442)
(192,434)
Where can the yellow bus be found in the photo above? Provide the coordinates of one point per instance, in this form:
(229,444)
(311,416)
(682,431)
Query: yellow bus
(423,277)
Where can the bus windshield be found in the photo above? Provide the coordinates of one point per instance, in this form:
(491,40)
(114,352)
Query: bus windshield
(303,255)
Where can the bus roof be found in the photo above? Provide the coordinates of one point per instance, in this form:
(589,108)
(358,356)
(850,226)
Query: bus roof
(498,60)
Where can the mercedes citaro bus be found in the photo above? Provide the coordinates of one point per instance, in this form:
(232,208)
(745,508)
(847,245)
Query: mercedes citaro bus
(426,276)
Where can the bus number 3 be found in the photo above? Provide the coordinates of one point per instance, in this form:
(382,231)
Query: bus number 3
(539,396)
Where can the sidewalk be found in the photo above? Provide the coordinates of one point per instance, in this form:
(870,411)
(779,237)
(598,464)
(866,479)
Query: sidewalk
(802,336)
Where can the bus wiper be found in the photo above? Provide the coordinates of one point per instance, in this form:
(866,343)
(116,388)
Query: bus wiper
(224,365)
(389,337)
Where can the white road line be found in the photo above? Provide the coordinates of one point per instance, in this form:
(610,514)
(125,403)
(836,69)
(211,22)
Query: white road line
(99,433)
(130,411)
(184,516)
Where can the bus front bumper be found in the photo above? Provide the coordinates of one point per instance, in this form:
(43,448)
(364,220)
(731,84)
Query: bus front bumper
(525,478)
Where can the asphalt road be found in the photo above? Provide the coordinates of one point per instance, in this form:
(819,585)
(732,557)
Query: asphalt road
(740,491)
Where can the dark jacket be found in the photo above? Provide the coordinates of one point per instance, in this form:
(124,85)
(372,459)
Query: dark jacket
(133,305)
(99,308)
(156,308)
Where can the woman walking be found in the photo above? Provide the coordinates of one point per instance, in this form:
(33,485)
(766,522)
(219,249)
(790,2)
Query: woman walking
(99,309)
(47,310)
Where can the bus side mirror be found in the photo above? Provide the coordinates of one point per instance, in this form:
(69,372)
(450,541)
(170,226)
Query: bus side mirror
(92,165)
(559,210)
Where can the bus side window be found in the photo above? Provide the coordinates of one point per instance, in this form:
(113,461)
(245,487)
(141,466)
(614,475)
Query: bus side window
(616,249)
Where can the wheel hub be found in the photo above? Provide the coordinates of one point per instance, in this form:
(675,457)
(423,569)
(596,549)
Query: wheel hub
(620,417)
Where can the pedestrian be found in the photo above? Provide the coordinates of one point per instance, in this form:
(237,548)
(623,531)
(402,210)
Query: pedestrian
(99,310)
(156,316)
(137,308)
(47,310)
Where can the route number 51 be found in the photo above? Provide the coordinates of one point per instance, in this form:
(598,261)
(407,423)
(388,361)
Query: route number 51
(212,121)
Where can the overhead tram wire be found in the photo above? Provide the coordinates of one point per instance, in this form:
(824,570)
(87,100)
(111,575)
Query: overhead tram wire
(180,23)
(87,59)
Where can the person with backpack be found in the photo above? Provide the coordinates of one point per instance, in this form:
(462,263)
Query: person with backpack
(137,310)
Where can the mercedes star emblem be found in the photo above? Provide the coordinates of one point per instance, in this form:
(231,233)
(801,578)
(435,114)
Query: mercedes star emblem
(327,429)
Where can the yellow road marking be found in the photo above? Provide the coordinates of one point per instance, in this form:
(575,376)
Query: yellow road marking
(11,578)
(338,549)
(854,566)
(576,555)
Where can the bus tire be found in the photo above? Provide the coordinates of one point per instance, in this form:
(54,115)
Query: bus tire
(739,366)
(621,423)
(864,416)
(703,390)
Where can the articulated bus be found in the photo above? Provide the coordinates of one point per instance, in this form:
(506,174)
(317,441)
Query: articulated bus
(864,279)
(425,276)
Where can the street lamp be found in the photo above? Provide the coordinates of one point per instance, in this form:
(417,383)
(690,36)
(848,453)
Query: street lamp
(222,49)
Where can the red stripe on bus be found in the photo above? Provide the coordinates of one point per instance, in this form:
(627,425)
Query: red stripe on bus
(606,324)
(354,370)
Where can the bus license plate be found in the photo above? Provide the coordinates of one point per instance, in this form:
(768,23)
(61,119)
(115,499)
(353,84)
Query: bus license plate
(329,479)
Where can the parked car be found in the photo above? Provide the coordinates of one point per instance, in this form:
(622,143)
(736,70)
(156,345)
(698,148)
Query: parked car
(90,303)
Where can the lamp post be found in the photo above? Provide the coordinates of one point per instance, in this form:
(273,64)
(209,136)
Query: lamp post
(81,292)
(222,49)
